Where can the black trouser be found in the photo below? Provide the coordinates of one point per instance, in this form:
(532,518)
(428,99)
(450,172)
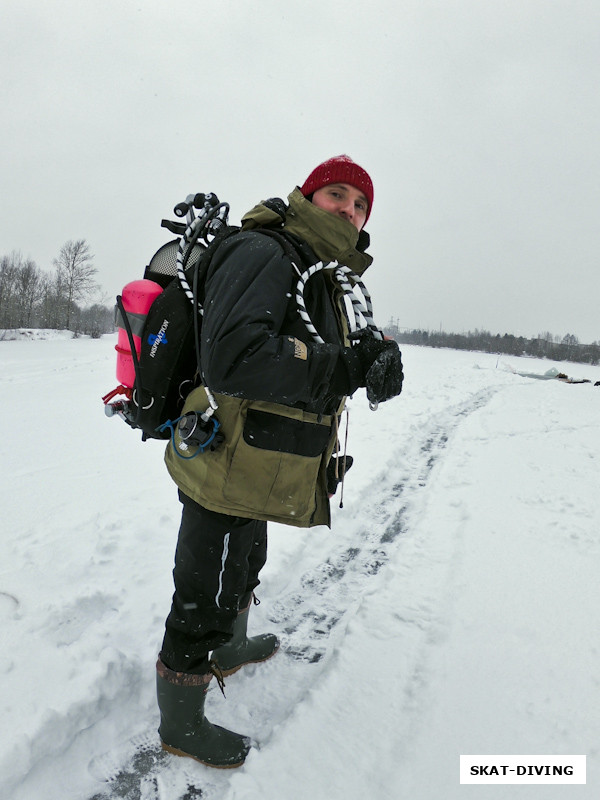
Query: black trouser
(217,560)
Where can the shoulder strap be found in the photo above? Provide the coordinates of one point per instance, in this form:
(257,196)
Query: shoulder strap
(289,247)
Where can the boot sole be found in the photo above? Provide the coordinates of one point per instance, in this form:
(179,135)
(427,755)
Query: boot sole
(227,672)
(175,752)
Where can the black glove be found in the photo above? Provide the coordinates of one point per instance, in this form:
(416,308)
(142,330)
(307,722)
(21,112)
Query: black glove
(384,376)
(355,364)
(367,348)
(337,465)
(374,363)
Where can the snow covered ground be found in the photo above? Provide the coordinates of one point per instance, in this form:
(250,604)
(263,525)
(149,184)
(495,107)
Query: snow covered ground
(452,609)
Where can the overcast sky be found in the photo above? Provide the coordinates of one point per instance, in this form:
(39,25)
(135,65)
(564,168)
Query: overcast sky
(478,121)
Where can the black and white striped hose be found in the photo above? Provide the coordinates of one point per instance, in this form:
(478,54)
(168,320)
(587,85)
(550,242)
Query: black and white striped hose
(186,244)
(363,312)
(303,277)
(197,227)
(362,309)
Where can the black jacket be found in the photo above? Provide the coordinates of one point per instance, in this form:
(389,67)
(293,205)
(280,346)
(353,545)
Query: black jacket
(254,343)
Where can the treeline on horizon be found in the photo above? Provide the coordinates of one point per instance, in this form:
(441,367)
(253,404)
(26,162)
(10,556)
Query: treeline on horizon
(34,298)
(546,345)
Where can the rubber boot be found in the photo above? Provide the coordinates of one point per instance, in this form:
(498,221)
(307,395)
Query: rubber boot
(241,649)
(185,731)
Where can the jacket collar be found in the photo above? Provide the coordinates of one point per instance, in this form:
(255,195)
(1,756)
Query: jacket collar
(329,237)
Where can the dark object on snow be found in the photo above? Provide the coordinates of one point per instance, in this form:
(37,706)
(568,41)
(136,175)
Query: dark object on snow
(552,374)
(565,379)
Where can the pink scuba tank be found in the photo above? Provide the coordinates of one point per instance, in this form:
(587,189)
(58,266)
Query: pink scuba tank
(137,298)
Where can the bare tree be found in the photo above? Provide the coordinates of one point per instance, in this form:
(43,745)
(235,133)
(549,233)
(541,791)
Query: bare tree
(29,287)
(8,279)
(19,290)
(570,340)
(76,272)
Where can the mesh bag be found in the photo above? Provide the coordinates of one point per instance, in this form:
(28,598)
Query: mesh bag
(163,264)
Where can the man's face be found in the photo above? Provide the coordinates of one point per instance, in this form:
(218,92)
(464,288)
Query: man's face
(343,200)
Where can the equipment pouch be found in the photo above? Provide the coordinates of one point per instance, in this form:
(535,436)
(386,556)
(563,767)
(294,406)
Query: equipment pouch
(276,460)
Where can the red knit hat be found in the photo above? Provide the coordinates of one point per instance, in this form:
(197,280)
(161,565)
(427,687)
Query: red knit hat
(340,169)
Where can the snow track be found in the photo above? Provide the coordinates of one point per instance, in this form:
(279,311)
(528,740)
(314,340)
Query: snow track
(362,549)
(390,621)
(312,617)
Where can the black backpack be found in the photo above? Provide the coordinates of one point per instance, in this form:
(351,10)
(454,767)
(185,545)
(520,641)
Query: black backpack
(168,365)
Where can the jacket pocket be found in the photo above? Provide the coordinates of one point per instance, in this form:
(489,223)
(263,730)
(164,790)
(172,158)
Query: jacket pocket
(275,465)
(268,431)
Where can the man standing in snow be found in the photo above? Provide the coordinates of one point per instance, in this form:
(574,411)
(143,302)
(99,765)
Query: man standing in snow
(280,391)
